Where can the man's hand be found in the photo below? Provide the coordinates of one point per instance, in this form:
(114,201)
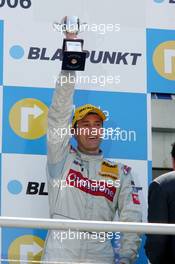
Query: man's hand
(71,35)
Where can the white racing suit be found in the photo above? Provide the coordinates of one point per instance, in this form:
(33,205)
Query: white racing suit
(85,198)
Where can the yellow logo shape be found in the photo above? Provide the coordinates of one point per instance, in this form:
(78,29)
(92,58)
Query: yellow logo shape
(28,118)
(25,248)
(164,59)
(109,170)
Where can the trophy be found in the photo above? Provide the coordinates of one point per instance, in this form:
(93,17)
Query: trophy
(73,55)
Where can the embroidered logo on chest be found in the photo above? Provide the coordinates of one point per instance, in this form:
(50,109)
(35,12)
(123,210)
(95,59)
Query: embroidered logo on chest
(109,170)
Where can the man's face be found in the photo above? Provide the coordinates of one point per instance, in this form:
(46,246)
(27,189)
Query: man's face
(88,133)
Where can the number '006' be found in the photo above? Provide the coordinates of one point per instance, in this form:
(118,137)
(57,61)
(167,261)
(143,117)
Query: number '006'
(15,3)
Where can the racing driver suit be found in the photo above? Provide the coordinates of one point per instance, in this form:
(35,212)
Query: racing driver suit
(86,201)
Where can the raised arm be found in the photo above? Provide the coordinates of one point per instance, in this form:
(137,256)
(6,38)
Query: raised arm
(59,117)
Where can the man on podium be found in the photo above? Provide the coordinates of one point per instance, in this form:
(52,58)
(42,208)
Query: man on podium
(93,189)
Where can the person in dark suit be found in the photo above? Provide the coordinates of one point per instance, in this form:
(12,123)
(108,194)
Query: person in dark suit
(160,249)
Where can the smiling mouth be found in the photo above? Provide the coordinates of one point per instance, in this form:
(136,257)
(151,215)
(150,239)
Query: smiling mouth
(93,139)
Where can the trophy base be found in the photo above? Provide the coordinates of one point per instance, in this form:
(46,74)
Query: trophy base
(73,60)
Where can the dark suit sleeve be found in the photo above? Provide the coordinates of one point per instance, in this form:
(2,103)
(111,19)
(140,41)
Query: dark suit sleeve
(156,245)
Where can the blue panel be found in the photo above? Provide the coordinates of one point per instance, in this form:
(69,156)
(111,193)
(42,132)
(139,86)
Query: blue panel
(128,111)
(11,234)
(12,143)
